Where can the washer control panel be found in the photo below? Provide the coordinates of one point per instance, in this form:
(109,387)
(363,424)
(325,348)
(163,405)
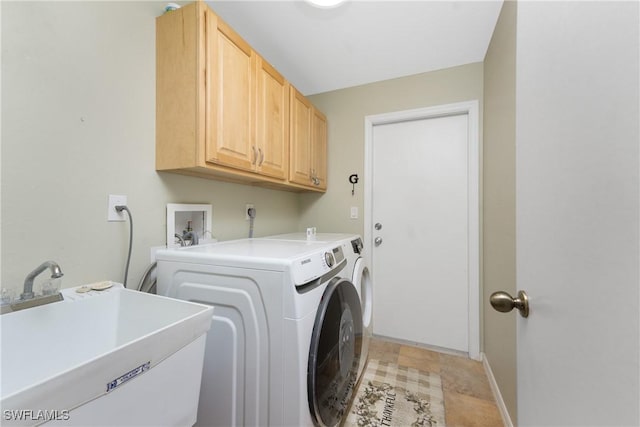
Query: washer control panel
(328,258)
(334,257)
(317,265)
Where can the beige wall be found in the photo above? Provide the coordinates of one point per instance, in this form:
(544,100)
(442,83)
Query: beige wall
(499,242)
(346,110)
(79,124)
(78,116)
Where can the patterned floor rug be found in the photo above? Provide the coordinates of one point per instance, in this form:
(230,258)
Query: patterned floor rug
(391,395)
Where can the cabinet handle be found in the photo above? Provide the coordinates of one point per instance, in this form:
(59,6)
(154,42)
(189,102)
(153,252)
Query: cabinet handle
(261,156)
(314,178)
(255,155)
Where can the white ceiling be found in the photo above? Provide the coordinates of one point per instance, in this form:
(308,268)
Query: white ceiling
(360,42)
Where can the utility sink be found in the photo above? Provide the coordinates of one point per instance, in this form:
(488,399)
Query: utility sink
(116,344)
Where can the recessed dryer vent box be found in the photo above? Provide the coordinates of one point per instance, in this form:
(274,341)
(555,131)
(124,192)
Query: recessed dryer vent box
(178,217)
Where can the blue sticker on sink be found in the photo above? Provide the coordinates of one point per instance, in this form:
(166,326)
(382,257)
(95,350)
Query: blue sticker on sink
(112,385)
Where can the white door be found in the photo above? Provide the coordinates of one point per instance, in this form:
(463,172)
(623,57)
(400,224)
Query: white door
(577,208)
(420,197)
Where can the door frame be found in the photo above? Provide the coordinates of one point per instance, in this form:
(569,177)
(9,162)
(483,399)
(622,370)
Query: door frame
(471,109)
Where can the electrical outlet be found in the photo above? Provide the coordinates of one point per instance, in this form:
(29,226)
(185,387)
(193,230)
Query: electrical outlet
(112,213)
(246,211)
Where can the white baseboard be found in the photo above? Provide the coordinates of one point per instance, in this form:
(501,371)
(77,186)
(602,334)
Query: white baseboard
(421,345)
(506,419)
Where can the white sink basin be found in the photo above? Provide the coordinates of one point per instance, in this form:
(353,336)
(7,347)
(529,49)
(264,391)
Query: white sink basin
(60,356)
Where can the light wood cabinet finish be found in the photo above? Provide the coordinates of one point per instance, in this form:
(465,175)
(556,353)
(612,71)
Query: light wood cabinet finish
(180,83)
(231,64)
(222,111)
(300,164)
(308,165)
(319,150)
(272,136)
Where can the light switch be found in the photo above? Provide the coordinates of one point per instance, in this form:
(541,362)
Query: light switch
(354,212)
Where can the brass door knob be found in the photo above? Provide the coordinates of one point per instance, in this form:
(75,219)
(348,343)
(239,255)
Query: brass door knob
(504,303)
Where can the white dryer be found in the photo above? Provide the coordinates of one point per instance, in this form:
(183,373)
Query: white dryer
(356,271)
(285,340)
(361,279)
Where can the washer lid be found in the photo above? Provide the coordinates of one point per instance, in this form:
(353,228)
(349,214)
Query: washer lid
(306,261)
(320,237)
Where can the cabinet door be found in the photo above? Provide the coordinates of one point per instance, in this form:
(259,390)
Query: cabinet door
(300,161)
(272,139)
(319,150)
(230,139)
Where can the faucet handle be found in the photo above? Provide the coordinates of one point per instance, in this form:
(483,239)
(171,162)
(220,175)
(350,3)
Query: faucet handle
(51,286)
(7,296)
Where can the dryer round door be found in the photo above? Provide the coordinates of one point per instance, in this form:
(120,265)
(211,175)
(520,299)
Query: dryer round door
(334,355)
(362,282)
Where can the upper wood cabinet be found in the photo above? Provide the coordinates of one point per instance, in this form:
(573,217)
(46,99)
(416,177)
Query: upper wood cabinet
(222,111)
(308,164)
(230,97)
(319,150)
(300,163)
(272,136)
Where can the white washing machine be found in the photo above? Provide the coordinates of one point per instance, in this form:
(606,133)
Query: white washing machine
(285,340)
(357,272)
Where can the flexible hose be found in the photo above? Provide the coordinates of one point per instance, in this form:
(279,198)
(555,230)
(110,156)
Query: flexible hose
(126,269)
(252,216)
(147,281)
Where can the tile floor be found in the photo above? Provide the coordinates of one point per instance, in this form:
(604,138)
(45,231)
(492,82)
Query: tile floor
(468,399)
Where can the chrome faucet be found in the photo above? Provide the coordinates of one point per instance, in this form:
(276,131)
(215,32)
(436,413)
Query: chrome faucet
(190,235)
(27,292)
(28,299)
